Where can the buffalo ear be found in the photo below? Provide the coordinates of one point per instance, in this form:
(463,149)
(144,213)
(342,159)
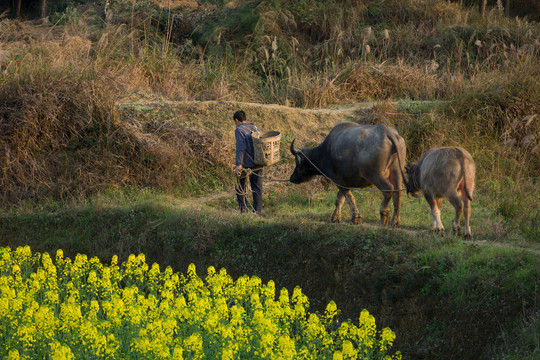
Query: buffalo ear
(293,150)
(409,166)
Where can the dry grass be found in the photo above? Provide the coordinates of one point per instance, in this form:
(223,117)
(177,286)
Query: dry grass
(385,81)
(63,136)
(60,131)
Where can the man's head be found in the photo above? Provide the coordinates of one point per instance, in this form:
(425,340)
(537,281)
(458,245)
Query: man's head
(239,116)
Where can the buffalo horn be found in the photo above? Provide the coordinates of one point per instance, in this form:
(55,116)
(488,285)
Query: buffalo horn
(293,150)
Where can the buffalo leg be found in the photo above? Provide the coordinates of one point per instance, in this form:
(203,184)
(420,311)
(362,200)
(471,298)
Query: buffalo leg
(396,197)
(455,200)
(340,199)
(355,214)
(467,214)
(439,205)
(432,206)
(435,205)
(386,189)
(383,210)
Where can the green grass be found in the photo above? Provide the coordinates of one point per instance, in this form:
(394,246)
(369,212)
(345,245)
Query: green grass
(294,243)
(313,202)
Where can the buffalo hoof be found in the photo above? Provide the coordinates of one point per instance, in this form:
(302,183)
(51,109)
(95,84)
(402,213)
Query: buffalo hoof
(356,220)
(467,236)
(336,216)
(384,218)
(456,231)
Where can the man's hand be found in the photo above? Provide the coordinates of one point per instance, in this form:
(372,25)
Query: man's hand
(238,169)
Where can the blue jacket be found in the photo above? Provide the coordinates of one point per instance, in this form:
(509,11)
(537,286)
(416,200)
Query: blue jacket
(244,144)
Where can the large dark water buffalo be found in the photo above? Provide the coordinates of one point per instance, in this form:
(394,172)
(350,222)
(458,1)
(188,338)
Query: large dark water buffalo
(356,156)
(440,173)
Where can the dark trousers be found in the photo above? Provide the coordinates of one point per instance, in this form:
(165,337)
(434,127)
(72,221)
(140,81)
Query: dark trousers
(256,182)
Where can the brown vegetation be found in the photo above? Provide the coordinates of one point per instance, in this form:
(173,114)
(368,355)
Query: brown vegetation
(65,134)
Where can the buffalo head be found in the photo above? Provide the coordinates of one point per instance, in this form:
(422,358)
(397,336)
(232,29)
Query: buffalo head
(413,185)
(304,170)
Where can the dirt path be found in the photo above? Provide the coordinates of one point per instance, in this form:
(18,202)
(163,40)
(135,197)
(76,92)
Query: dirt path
(203,202)
(504,245)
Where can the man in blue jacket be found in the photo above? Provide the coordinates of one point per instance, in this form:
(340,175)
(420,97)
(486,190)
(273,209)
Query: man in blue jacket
(244,161)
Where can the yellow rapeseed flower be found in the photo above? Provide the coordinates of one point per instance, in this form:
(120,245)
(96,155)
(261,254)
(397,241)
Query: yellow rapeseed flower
(69,309)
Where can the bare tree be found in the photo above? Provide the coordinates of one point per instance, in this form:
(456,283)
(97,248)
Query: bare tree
(483,4)
(43,9)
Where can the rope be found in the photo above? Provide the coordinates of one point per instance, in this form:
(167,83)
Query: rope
(244,191)
(338,185)
(249,171)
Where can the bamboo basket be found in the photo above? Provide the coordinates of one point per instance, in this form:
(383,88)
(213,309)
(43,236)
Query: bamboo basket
(266,147)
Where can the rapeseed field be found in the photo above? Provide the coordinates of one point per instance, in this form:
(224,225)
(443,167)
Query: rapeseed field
(81,308)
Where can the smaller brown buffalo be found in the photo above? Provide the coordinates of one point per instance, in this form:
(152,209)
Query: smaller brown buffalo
(443,172)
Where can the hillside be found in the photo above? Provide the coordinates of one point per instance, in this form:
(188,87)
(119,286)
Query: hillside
(62,83)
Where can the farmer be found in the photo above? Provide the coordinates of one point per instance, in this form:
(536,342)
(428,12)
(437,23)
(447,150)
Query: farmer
(245,167)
